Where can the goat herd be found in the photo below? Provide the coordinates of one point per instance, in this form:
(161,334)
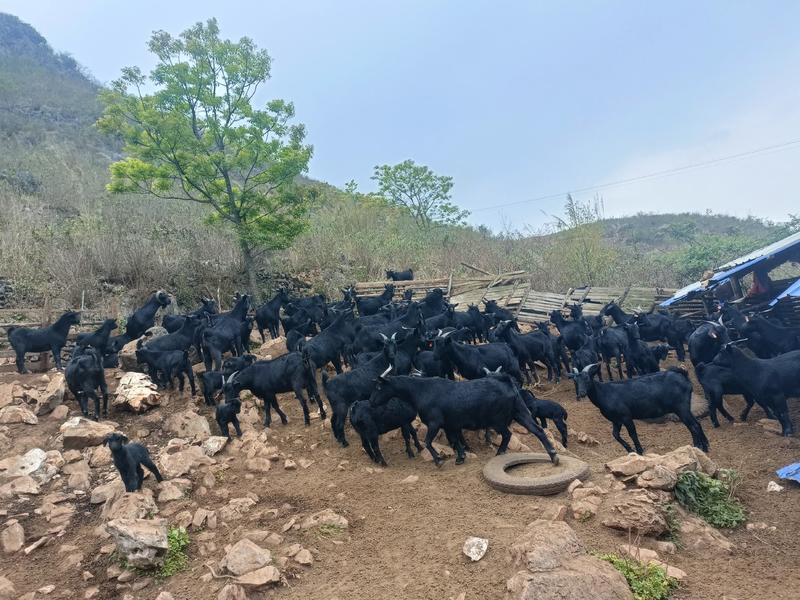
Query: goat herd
(403,357)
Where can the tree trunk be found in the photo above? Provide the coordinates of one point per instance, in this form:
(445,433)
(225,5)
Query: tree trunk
(250,270)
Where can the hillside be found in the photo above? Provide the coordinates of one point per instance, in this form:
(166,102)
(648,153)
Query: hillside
(62,233)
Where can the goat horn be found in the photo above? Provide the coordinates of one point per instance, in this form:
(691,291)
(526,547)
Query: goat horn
(587,367)
(438,333)
(574,370)
(498,369)
(394,335)
(385,339)
(487,371)
(386,372)
(416,373)
(446,334)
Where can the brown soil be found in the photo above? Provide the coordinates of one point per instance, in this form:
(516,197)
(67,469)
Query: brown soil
(405,539)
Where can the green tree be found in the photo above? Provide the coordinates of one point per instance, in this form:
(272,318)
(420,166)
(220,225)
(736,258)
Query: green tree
(197,137)
(420,191)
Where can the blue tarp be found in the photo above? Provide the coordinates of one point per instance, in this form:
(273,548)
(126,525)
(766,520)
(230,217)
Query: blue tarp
(790,472)
(743,264)
(792,290)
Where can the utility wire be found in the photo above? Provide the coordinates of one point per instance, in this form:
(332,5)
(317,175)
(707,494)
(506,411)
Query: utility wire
(654,175)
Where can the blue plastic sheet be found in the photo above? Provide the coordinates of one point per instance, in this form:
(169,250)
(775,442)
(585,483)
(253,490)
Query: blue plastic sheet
(790,472)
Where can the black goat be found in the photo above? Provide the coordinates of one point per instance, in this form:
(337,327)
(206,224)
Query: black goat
(330,344)
(706,341)
(773,338)
(470,361)
(371,421)
(226,414)
(53,338)
(300,321)
(769,381)
(84,375)
(407,275)
(99,337)
(266,378)
(612,342)
(173,323)
(354,385)
(129,458)
(560,353)
(293,339)
(716,382)
(163,366)
(225,335)
(268,314)
(372,304)
(574,333)
(528,348)
(542,410)
(646,397)
(500,313)
(491,402)
(145,317)
(178,340)
(642,357)
(212,381)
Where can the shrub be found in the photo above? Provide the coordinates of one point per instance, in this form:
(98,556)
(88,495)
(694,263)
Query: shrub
(647,582)
(176,559)
(712,499)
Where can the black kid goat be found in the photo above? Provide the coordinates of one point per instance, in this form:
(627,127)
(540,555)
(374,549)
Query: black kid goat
(129,458)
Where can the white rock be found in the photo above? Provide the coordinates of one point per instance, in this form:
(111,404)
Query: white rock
(774,487)
(475,548)
(141,542)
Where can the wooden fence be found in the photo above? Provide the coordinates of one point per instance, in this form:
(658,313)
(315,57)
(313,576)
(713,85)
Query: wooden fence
(515,291)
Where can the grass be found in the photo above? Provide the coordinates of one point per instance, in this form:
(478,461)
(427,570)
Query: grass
(673,525)
(330,530)
(647,582)
(176,559)
(710,498)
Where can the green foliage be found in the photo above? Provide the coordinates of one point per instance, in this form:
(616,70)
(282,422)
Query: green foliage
(712,499)
(417,189)
(330,530)
(647,582)
(673,525)
(198,137)
(176,559)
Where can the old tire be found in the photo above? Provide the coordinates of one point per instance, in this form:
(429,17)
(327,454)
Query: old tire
(496,475)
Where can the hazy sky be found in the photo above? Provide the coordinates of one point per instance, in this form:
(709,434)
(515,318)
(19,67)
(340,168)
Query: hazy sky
(515,100)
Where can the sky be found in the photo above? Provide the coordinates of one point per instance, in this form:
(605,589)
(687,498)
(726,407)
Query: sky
(520,102)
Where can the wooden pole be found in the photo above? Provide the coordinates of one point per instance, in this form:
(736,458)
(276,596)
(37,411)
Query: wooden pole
(477,269)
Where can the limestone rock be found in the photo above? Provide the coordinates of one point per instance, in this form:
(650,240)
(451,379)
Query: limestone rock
(130,506)
(127,357)
(45,401)
(79,433)
(245,556)
(475,548)
(182,462)
(632,464)
(40,465)
(12,538)
(274,348)
(232,592)
(634,511)
(700,537)
(136,393)
(111,490)
(658,477)
(141,542)
(18,486)
(214,445)
(556,567)
(260,578)
(11,415)
(324,517)
(190,425)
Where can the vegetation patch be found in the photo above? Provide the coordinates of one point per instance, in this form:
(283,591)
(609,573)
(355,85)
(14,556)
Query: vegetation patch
(712,499)
(330,530)
(647,582)
(176,559)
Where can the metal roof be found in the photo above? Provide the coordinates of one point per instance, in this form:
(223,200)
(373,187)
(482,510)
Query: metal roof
(743,264)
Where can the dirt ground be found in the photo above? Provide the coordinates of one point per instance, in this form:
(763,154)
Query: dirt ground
(404,539)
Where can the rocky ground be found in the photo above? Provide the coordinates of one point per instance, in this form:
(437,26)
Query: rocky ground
(288,513)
